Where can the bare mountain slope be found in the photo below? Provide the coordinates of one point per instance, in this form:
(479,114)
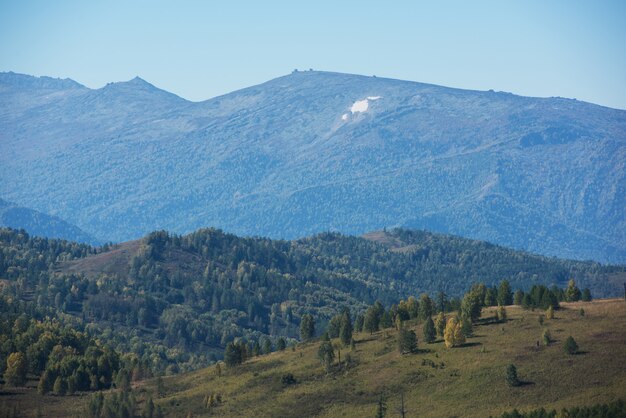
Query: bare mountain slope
(316,151)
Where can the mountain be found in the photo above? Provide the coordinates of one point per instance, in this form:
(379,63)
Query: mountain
(40,224)
(318,151)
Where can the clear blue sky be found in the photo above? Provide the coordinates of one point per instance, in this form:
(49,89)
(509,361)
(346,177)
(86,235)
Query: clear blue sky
(200,49)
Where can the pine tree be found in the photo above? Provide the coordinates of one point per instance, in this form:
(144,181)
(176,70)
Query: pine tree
(407,341)
(345,329)
(326,354)
(233,355)
(546,337)
(466,328)
(572,293)
(267,346)
(371,321)
(550,313)
(430,334)
(425,307)
(586,295)
(472,304)
(385,320)
(505,296)
(570,346)
(307,327)
(518,297)
(358,323)
(511,375)
(281,344)
(440,324)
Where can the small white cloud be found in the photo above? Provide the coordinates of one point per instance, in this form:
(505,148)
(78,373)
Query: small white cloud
(374,97)
(344,116)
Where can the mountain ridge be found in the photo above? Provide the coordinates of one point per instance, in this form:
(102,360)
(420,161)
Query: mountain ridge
(41,224)
(297,155)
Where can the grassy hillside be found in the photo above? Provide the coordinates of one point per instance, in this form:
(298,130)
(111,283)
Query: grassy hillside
(437,382)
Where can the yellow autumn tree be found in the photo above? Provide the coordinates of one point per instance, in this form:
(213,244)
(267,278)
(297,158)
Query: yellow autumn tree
(453,334)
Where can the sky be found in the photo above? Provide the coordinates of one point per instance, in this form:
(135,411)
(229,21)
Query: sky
(202,49)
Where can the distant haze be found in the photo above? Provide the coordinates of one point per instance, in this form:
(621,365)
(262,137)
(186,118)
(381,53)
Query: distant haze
(200,50)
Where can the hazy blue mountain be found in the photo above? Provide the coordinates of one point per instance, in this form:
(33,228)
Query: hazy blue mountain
(40,224)
(289,158)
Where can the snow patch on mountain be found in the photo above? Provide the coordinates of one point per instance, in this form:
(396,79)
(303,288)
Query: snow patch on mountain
(360,106)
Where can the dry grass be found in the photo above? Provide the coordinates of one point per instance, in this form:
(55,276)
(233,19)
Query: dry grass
(467,381)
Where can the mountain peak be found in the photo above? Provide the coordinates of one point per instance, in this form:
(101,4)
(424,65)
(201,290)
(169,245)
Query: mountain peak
(30,81)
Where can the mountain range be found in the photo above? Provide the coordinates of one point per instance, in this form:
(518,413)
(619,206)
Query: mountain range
(41,224)
(319,151)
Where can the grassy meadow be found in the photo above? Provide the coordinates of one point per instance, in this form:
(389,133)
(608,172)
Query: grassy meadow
(467,381)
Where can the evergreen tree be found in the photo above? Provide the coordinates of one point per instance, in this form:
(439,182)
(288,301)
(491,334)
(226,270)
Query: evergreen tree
(267,346)
(15,374)
(440,324)
(385,320)
(570,346)
(371,321)
(546,337)
(518,297)
(472,304)
(307,327)
(425,307)
(466,328)
(505,296)
(572,293)
(281,344)
(407,341)
(326,354)
(345,329)
(334,326)
(430,334)
(358,323)
(491,297)
(586,295)
(233,355)
(511,375)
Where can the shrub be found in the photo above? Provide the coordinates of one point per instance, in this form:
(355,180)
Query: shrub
(288,379)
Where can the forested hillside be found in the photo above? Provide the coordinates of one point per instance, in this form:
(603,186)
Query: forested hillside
(176,301)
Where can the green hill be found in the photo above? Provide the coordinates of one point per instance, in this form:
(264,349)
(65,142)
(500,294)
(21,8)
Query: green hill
(467,381)
(174,302)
